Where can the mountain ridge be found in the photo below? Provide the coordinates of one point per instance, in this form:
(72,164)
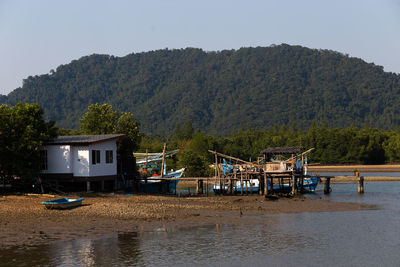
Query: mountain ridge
(221,91)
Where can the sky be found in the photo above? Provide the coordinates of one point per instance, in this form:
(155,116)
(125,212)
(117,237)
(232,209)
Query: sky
(38,36)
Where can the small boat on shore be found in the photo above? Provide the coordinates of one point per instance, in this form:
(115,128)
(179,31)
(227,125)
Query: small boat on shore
(63,203)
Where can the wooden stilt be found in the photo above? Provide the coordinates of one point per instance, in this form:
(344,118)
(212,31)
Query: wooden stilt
(102,185)
(247,185)
(293,183)
(327,188)
(241,183)
(260,185)
(272,185)
(207,187)
(235,180)
(265,185)
(87,186)
(361,185)
(41,185)
(250,185)
(199,188)
(230,185)
(301,183)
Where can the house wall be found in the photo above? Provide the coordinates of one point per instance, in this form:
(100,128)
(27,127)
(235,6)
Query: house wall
(77,160)
(103,168)
(80,159)
(58,159)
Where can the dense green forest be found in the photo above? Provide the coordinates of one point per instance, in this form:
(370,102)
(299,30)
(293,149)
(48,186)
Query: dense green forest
(332,145)
(221,92)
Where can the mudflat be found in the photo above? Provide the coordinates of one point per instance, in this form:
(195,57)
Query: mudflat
(24,221)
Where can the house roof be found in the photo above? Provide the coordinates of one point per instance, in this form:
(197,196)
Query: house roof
(281,150)
(83,139)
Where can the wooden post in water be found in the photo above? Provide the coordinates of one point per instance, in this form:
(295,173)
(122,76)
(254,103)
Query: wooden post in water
(265,184)
(230,184)
(250,185)
(147,174)
(199,187)
(272,184)
(241,183)
(361,185)
(327,188)
(260,185)
(235,176)
(207,186)
(246,181)
(293,183)
(302,183)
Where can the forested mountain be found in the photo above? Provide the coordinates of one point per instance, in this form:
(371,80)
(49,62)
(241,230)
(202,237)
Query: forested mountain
(221,91)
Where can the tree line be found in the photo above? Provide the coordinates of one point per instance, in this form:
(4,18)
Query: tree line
(23,130)
(349,145)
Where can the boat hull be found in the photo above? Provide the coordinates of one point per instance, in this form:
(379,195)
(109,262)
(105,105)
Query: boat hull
(156,185)
(309,185)
(63,203)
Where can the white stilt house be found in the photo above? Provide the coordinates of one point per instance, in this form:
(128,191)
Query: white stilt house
(81,158)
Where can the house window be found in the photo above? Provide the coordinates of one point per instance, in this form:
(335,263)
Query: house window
(109,156)
(95,157)
(43,158)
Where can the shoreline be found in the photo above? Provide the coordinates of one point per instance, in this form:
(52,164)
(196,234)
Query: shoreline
(360,168)
(25,222)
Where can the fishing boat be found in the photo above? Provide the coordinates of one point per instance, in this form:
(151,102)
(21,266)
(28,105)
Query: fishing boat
(252,186)
(167,183)
(63,203)
(150,166)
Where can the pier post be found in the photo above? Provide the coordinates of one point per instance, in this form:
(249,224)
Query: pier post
(235,180)
(361,185)
(293,183)
(199,188)
(272,184)
(102,185)
(260,185)
(241,183)
(230,185)
(327,188)
(302,184)
(87,186)
(265,184)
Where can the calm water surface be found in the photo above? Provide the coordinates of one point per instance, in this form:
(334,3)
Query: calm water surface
(351,238)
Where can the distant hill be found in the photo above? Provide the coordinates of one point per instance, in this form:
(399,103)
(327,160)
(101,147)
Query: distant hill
(221,91)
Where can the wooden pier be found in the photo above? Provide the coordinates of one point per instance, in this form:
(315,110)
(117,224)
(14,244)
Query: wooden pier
(280,175)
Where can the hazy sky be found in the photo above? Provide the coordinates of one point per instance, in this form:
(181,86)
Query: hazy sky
(37,36)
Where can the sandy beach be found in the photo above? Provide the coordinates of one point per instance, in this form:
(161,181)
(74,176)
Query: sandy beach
(24,221)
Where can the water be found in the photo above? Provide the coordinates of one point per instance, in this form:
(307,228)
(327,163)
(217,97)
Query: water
(365,174)
(350,238)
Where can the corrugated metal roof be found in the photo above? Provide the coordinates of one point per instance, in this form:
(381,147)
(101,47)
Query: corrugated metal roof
(282,150)
(83,139)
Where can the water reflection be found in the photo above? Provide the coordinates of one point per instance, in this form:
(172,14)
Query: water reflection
(359,238)
(107,251)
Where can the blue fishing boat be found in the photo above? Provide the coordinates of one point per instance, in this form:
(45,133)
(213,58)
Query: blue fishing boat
(252,186)
(167,183)
(150,165)
(63,203)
